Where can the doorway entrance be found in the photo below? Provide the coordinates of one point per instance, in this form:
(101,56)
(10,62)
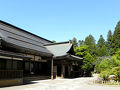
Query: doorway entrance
(66,71)
(59,70)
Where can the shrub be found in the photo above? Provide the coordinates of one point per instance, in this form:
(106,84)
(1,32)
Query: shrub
(105,75)
(108,63)
(116,71)
(110,66)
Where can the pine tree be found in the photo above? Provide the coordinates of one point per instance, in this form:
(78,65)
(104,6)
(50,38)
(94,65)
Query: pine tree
(90,42)
(109,41)
(101,41)
(74,42)
(116,39)
(101,47)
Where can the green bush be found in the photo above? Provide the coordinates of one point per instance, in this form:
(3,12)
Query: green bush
(109,66)
(104,64)
(116,71)
(108,63)
(97,63)
(105,75)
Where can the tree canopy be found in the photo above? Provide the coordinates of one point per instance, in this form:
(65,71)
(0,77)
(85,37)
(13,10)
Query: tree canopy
(101,47)
(74,42)
(87,57)
(89,50)
(116,38)
(90,42)
(109,42)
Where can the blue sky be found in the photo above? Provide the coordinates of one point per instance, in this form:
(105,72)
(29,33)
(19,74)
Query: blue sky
(61,20)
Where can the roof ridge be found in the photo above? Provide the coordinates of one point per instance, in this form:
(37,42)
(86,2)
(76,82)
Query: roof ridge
(58,43)
(23,30)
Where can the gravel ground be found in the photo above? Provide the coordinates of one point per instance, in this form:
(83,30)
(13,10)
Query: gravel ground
(83,83)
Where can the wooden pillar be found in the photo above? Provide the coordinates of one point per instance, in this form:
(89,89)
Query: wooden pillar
(34,67)
(29,66)
(52,68)
(63,71)
(0,43)
(69,70)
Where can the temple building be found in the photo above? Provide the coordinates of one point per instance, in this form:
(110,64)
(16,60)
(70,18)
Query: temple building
(23,54)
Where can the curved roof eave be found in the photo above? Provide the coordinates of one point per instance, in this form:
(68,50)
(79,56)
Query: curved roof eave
(59,49)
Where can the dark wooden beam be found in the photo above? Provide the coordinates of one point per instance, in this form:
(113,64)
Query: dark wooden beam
(52,68)
(0,43)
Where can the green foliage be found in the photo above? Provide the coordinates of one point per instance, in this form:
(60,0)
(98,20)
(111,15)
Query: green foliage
(87,62)
(89,50)
(105,75)
(116,39)
(109,36)
(101,47)
(101,41)
(88,59)
(117,55)
(107,64)
(90,42)
(80,43)
(110,66)
(81,51)
(102,51)
(74,42)
(109,42)
(116,71)
(104,65)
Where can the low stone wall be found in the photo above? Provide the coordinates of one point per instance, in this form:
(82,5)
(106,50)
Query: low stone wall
(11,82)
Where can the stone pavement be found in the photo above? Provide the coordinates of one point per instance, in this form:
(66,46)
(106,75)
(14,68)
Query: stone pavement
(83,83)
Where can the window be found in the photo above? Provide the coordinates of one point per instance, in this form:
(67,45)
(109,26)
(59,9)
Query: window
(8,64)
(2,64)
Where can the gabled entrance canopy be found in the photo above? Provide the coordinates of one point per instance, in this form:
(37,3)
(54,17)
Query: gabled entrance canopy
(63,56)
(62,50)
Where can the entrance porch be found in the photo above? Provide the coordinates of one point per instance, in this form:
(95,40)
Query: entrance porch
(62,69)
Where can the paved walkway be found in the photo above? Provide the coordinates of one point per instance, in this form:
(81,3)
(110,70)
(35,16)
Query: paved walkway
(83,83)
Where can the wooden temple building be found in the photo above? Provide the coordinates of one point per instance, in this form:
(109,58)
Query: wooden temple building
(23,54)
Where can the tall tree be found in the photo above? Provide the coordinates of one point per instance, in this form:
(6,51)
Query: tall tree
(109,41)
(88,60)
(116,39)
(101,41)
(90,42)
(101,47)
(74,42)
(80,43)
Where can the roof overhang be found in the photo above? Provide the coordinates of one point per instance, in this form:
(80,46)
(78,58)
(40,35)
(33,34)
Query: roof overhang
(68,57)
(60,49)
(37,52)
(63,51)
(11,54)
